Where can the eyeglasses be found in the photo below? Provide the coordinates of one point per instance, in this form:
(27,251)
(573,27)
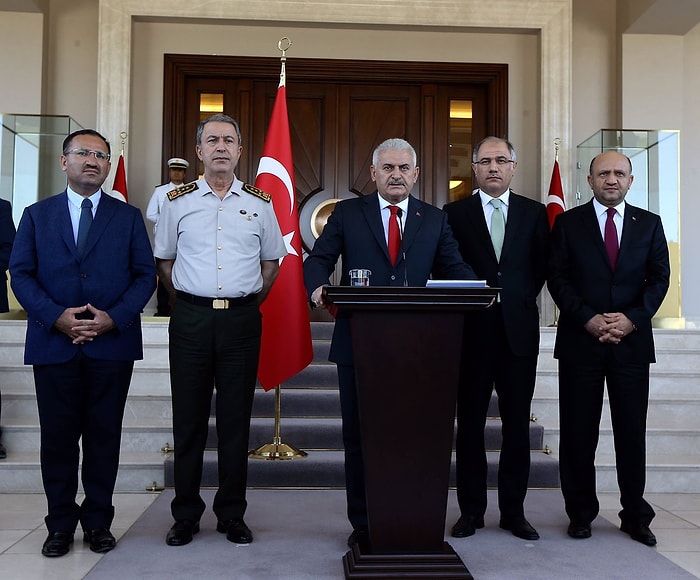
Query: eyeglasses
(486,161)
(99,155)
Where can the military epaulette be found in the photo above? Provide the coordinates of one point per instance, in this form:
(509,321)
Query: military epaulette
(257,192)
(182,190)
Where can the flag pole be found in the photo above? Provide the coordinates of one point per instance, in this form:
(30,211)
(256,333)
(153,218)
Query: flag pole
(555,322)
(277,449)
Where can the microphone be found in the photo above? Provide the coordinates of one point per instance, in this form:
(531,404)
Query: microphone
(399,214)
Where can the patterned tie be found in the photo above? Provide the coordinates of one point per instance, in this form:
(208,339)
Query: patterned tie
(394,235)
(611,242)
(84,225)
(498,226)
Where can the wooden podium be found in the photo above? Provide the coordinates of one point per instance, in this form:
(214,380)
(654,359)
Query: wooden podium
(407,347)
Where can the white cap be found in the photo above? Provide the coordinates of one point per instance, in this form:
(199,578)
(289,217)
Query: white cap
(178,163)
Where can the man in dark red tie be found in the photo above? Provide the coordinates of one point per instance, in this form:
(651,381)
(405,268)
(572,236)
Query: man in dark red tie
(360,231)
(608,274)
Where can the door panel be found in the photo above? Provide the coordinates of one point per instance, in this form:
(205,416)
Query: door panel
(339,111)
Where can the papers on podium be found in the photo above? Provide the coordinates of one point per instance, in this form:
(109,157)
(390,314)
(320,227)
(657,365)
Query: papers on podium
(456,284)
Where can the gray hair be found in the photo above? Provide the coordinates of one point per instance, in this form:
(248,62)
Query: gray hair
(220,118)
(395,144)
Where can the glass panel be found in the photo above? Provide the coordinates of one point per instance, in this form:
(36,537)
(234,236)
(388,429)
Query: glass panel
(655,160)
(460,135)
(30,147)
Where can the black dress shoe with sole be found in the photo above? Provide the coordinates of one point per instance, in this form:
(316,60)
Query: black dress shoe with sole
(236,531)
(520,528)
(639,532)
(181,533)
(57,544)
(466,526)
(579,531)
(101,540)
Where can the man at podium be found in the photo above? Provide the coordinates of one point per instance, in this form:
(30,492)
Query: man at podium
(403,241)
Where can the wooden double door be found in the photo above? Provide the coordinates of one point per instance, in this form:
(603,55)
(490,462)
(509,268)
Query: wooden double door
(339,111)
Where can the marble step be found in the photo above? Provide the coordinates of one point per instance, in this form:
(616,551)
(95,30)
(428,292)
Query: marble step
(324,469)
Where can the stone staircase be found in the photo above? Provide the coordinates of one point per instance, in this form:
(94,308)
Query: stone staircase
(310,420)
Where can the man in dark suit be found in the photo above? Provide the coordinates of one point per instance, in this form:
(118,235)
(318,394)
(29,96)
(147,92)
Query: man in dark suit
(501,344)
(83,269)
(358,232)
(7,235)
(608,274)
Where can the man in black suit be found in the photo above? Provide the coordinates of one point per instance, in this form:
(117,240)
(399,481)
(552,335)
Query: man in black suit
(7,236)
(358,232)
(501,343)
(608,274)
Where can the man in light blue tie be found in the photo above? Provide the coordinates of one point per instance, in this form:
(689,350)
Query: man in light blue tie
(505,237)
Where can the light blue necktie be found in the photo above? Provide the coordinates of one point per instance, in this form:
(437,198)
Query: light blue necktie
(498,226)
(84,225)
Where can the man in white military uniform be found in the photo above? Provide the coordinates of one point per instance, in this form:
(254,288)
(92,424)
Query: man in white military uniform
(177,168)
(217,248)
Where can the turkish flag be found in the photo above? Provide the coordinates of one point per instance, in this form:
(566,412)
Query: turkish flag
(286,333)
(119,186)
(555,199)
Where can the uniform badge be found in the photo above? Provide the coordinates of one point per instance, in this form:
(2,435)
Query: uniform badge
(257,192)
(182,190)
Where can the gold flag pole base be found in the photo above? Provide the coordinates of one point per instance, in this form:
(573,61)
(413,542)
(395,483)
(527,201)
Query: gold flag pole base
(277,449)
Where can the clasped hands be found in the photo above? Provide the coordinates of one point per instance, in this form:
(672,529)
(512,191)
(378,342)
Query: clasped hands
(610,327)
(84,323)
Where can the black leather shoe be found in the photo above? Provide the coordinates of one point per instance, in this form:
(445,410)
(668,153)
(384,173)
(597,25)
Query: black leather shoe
(236,531)
(579,531)
(466,526)
(520,528)
(639,532)
(359,536)
(181,533)
(57,544)
(101,540)
(3,452)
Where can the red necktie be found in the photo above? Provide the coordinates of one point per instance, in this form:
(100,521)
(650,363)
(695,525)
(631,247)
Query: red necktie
(394,235)
(611,243)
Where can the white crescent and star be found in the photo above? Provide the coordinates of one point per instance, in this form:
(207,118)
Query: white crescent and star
(273,167)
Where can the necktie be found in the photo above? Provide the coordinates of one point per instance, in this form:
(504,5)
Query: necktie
(498,226)
(611,243)
(84,225)
(394,235)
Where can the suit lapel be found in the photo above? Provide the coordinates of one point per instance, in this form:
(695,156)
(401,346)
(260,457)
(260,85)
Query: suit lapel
(589,223)
(414,222)
(477,222)
(629,229)
(66,231)
(371,212)
(103,215)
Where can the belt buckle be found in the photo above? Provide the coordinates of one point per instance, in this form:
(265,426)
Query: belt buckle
(219,304)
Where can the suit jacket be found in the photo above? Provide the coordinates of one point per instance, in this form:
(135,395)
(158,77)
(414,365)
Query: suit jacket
(7,236)
(521,272)
(583,284)
(116,274)
(354,232)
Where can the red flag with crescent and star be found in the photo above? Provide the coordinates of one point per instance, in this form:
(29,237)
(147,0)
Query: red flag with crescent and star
(555,198)
(286,335)
(119,185)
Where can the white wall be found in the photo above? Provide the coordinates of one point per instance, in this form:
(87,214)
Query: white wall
(72,60)
(21,62)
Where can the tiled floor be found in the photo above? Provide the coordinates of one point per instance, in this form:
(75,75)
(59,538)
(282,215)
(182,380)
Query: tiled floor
(22,532)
